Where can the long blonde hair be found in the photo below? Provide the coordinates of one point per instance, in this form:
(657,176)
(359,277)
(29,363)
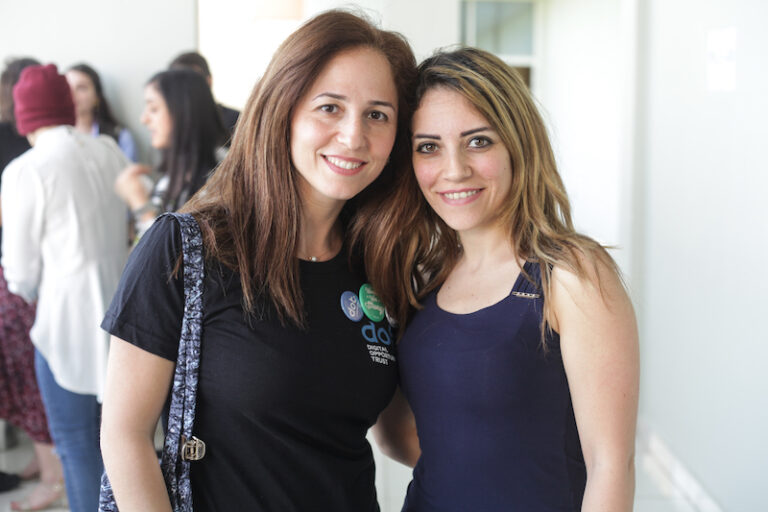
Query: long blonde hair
(421,250)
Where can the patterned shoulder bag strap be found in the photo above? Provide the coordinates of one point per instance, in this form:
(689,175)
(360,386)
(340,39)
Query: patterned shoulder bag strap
(181,446)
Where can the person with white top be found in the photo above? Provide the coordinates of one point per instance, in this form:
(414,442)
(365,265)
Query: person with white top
(64,246)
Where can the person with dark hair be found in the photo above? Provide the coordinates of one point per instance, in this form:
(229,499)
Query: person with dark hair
(63,247)
(92,112)
(297,357)
(521,360)
(197,63)
(20,401)
(11,143)
(184,125)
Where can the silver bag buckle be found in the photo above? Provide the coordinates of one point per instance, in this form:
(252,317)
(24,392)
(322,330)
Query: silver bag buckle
(192,449)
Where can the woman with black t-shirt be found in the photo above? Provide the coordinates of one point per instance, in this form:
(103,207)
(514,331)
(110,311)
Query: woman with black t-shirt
(297,357)
(184,124)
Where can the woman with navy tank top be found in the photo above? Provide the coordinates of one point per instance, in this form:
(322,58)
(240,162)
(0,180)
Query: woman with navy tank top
(520,363)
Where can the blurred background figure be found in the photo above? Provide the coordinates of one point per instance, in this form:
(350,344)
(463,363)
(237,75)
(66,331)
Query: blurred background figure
(197,63)
(63,246)
(20,402)
(185,125)
(92,112)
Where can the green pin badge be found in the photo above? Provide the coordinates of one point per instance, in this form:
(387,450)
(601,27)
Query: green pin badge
(371,303)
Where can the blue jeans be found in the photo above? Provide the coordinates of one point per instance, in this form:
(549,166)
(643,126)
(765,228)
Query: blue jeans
(73,420)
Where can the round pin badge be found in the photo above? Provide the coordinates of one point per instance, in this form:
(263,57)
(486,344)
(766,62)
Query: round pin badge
(371,303)
(350,305)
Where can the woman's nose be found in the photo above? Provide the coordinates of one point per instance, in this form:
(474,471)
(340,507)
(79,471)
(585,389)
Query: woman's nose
(351,132)
(456,167)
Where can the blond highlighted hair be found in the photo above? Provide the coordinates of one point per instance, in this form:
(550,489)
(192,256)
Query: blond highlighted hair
(420,250)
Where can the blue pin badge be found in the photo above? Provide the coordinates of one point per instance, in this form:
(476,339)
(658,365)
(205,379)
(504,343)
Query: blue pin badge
(350,305)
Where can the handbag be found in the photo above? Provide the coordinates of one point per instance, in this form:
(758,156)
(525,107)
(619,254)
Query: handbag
(180,445)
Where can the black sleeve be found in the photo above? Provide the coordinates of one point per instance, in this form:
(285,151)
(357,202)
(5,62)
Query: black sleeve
(148,307)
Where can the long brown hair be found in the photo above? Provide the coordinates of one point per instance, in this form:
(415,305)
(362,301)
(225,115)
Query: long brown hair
(250,208)
(421,250)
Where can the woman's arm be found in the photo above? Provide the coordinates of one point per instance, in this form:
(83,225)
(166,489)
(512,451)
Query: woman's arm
(137,386)
(395,431)
(599,343)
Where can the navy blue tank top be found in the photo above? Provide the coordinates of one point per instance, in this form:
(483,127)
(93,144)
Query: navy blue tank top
(493,410)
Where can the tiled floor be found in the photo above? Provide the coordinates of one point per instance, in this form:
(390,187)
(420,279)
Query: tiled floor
(653,493)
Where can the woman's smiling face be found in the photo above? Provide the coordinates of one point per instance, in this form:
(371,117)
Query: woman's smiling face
(462,167)
(343,129)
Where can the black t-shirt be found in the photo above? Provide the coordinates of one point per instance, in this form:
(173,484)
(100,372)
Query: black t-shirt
(283,412)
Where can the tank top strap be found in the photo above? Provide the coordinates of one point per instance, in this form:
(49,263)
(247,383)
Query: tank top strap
(524,287)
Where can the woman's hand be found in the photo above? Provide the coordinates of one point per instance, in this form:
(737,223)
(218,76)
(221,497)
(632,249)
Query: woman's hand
(395,431)
(131,185)
(599,344)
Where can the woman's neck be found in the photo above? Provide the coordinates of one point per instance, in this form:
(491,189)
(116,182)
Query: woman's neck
(320,236)
(487,247)
(84,123)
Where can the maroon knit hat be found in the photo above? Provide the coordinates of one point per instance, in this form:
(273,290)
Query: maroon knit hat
(42,97)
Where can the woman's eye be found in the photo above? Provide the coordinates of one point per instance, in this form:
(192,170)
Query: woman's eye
(479,142)
(378,116)
(330,109)
(426,147)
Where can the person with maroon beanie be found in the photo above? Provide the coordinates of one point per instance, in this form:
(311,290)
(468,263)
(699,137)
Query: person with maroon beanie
(64,247)
(20,402)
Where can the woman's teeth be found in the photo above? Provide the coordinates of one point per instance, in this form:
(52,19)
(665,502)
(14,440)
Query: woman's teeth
(343,163)
(461,195)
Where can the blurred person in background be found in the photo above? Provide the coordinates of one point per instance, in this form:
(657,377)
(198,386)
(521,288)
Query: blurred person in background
(185,126)
(63,246)
(20,401)
(92,112)
(196,62)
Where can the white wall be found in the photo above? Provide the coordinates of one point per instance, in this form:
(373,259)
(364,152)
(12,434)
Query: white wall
(581,88)
(239,43)
(125,42)
(704,378)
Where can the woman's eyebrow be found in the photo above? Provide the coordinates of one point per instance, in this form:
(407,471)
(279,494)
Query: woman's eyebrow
(463,134)
(474,130)
(381,103)
(331,95)
(341,97)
